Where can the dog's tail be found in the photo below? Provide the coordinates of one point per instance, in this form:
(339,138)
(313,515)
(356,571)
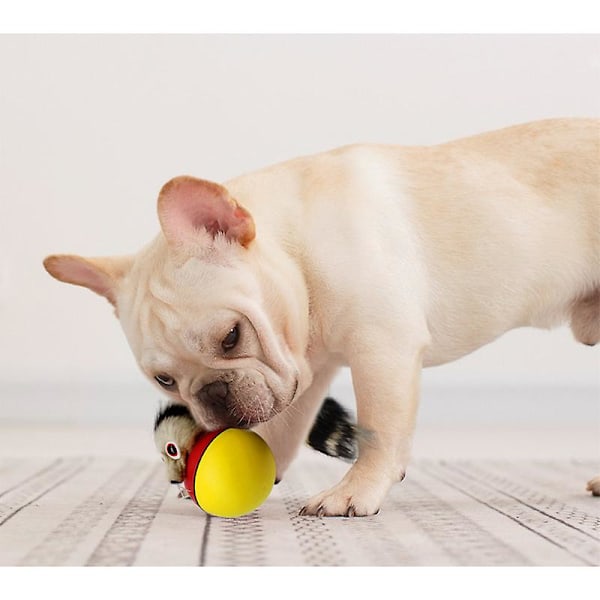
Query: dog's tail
(334,431)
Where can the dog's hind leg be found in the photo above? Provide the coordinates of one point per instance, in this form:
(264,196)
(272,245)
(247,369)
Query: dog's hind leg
(585,319)
(585,324)
(593,486)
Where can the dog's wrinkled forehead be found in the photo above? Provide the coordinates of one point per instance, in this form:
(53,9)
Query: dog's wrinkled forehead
(169,299)
(198,280)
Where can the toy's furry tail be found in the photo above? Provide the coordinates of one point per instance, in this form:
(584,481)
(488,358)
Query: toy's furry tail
(334,431)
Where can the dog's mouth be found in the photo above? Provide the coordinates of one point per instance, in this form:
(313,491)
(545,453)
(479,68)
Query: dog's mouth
(240,417)
(245,420)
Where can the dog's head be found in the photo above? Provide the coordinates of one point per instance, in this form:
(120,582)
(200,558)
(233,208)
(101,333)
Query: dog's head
(216,317)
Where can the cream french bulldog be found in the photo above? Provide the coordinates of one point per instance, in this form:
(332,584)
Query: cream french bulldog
(386,259)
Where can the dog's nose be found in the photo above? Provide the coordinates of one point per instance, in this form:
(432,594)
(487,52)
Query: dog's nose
(214,393)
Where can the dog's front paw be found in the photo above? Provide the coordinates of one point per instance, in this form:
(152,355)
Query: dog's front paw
(354,496)
(593,486)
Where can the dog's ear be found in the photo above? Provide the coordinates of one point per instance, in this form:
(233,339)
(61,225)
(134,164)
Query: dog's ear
(101,275)
(187,205)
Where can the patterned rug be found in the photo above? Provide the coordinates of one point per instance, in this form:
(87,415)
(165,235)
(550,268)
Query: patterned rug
(102,511)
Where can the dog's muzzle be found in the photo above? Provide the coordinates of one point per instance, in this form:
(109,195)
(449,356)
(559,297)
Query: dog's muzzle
(242,402)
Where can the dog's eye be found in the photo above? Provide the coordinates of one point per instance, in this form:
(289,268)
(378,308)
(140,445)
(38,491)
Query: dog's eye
(172,450)
(165,380)
(231,339)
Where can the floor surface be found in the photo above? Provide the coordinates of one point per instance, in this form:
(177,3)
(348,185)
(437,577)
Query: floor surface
(491,497)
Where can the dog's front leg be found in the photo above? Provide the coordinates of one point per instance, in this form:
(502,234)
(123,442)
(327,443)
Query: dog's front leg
(287,431)
(386,386)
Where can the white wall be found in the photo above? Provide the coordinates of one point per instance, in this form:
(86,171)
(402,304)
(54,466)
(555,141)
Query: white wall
(91,127)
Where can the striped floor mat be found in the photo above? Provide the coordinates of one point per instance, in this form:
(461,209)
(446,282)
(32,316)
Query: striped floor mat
(101,511)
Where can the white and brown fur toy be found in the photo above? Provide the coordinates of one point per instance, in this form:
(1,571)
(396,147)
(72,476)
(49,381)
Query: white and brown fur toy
(175,432)
(333,433)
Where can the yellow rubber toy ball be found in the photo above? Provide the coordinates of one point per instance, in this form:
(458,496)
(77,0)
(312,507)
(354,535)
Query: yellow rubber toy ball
(230,472)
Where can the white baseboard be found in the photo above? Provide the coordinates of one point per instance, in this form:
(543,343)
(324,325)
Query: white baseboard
(133,404)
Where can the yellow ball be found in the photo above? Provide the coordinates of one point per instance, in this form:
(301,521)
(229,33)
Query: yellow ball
(230,473)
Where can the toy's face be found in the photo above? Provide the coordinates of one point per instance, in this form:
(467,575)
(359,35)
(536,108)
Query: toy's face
(174,437)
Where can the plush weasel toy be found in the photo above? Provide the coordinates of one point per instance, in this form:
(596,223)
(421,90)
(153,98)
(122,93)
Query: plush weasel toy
(333,433)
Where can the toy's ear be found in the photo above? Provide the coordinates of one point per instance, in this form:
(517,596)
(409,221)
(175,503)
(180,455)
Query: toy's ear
(187,205)
(101,275)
